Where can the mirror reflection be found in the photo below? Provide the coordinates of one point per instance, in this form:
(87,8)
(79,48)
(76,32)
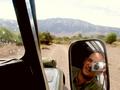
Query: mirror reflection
(88,65)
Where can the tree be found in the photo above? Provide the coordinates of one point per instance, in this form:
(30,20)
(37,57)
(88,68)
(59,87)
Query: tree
(77,37)
(18,40)
(45,38)
(111,37)
(6,35)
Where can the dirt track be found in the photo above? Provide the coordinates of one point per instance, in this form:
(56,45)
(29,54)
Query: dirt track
(60,54)
(114,66)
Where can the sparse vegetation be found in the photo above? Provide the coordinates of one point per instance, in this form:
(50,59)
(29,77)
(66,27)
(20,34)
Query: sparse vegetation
(111,37)
(6,36)
(43,46)
(45,38)
(61,40)
(101,37)
(77,37)
(18,40)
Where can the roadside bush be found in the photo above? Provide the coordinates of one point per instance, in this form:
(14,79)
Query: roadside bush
(116,43)
(45,38)
(18,40)
(101,37)
(77,37)
(6,36)
(110,38)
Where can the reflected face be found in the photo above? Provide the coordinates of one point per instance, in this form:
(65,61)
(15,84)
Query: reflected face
(86,70)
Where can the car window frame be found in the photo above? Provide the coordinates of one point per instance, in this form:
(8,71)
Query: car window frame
(32,56)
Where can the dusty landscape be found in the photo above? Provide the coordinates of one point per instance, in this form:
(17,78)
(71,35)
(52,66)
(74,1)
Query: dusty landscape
(60,54)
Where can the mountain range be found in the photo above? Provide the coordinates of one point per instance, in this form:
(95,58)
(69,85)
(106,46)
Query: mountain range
(64,26)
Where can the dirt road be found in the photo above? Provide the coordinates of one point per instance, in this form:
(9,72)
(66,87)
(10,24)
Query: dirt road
(114,66)
(60,54)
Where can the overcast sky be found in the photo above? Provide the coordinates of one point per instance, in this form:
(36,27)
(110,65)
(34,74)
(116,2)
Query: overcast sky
(100,12)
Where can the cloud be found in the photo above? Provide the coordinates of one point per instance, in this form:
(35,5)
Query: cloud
(7,10)
(101,12)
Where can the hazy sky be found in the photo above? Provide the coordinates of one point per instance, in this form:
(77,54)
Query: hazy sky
(101,12)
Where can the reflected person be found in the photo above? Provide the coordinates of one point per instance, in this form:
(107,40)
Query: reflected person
(84,78)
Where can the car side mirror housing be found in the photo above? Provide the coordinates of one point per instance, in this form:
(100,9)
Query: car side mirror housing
(88,65)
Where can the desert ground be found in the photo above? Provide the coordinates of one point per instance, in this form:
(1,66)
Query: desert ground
(60,54)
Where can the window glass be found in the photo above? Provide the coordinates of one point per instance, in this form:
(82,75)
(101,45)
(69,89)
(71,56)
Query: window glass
(11,45)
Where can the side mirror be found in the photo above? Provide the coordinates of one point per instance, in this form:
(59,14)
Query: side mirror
(88,65)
